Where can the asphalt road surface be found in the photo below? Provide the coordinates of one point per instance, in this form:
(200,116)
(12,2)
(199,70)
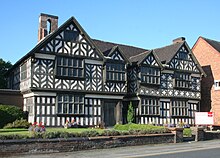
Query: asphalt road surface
(203,149)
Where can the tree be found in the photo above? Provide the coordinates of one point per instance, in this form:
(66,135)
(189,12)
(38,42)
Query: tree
(130,116)
(4,66)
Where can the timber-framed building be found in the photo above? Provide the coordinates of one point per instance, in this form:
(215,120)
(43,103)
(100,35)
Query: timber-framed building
(68,75)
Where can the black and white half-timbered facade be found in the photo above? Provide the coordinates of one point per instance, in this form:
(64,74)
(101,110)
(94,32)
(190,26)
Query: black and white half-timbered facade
(68,75)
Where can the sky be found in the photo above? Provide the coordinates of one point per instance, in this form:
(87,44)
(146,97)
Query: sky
(146,24)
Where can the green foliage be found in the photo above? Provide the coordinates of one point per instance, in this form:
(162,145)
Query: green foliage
(137,129)
(9,114)
(4,66)
(128,129)
(130,116)
(22,123)
(187,132)
(13,136)
(111,133)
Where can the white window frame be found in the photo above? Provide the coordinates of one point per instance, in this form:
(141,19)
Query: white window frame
(217,84)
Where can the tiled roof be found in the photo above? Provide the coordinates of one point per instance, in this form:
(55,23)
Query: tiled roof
(139,57)
(165,54)
(213,43)
(128,51)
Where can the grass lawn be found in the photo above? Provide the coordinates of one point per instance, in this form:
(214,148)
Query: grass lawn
(26,132)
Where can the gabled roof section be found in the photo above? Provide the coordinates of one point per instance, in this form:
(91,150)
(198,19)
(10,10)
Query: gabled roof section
(54,34)
(213,43)
(165,54)
(116,48)
(141,57)
(195,60)
(128,51)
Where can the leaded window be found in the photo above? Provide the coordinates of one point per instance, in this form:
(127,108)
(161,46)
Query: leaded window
(165,109)
(70,104)
(70,67)
(182,80)
(115,71)
(193,107)
(29,105)
(183,55)
(24,71)
(150,75)
(179,108)
(195,83)
(150,106)
(71,35)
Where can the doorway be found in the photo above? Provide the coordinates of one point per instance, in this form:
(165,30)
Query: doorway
(110,114)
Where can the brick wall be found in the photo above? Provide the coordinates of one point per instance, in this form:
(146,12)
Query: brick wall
(11,97)
(8,147)
(209,59)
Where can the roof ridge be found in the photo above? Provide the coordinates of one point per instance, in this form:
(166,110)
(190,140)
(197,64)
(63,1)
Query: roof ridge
(145,52)
(210,39)
(118,44)
(169,45)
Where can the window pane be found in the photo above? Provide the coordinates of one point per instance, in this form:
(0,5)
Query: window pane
(65,98)
(80,108)
(59,108)
(59,98)
(76,108)
(59,61)
(76,99)
(65,108)
(74,63)
(74,72)
(70,108)
(70,62)
(80,74)
(64,61)
(80,63)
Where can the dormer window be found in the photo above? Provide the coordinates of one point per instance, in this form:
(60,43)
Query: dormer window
(150,75)
(115,71)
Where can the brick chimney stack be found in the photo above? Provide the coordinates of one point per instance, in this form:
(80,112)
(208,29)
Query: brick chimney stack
(47,24)
(178,40)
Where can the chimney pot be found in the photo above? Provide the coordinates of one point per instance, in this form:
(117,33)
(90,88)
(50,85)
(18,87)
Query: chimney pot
(178,40)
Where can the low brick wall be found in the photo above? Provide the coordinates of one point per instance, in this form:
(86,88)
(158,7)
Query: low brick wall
(75,144)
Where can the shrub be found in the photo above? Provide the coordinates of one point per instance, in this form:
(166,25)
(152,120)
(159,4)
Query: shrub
(137,129)
(22,123)
(91,133)
(9,114)
(130,116)
(187,132)
(111,133)
(13,136)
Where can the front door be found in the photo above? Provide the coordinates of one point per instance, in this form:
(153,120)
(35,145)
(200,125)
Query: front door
(109,114)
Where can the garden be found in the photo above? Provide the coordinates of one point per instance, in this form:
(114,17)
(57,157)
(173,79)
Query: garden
(13,125)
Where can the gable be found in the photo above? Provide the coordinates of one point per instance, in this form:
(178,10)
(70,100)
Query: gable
(71,40)
(150,60)
(116,55)
(183,61)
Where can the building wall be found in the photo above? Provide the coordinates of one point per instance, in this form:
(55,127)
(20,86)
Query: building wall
(209,59)
(11,97)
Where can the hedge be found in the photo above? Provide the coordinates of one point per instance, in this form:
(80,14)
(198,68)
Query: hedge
(9,114)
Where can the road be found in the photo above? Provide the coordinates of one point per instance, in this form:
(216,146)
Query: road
(203,149)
